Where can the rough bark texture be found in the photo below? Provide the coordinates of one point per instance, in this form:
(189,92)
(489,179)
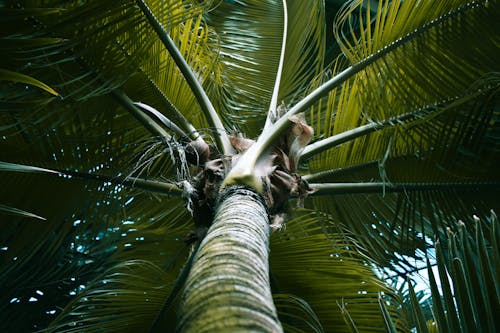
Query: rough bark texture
(228,287)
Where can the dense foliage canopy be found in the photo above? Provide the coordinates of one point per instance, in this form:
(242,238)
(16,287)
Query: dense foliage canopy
(376,148)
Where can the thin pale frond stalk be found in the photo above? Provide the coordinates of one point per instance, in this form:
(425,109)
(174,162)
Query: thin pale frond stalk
(349,135)
(191,131)
(221,137)
(164,120)
(145,184)
(381,187)
(314,177)
(347,317)
(335,140)
(274,98)
(390,327)
(13,167)
(133,182)
(228,288)
(4,209)
(338,139)
(142,117)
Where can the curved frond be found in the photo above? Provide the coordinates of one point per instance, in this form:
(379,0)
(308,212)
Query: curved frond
(430,108)
(305,49)
(327,272)
(250,35)
(105,46)
(407,137)
(88,229)
(296,315)
(127,298)
(463,281)
(393,228)
(6,75)
(405,82)
(19,212)
(91,224)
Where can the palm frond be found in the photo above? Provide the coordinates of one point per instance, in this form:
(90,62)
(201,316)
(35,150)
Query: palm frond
(395,227)
(111,44)
(103,38)
(92,223)
(200,94)
(296,315)
(250,44)
(131,182)
(381,187)
(79,137)
(59,243)
(447,133)
(93,141)
(465,295)
(325,270)
(305,49)
(470,160)
(171,93)
(408,139)
(127,298)
(462,132)
(404,74)
(141,116)
(251,35)
(6,75)
(88,229)
(387,318)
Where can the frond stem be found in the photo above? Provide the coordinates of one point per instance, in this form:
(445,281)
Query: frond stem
(191,131)
(172,109)
(340,171)
(274,99)
(380,187)
(244,171)
(221,137)
(142,117)
(338,139)
(163,119)
(132,182)
(431,110)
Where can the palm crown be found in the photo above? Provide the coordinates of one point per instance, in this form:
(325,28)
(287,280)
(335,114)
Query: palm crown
(123,120)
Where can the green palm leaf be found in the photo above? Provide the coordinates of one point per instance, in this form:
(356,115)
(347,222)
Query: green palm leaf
(406,144)
(467,263)
(444,133)
(128,297)
(16,211)
(78,242)
(328,273)
(402,70)
(92,229)
(6,75)
(251,37)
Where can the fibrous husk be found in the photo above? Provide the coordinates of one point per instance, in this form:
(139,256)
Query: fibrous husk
(277,169)
(197,152)
(283,180)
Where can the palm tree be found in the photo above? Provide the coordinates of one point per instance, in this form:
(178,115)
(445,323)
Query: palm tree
(203,166)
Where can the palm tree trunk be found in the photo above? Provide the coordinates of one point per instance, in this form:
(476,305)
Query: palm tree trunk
(228,288)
